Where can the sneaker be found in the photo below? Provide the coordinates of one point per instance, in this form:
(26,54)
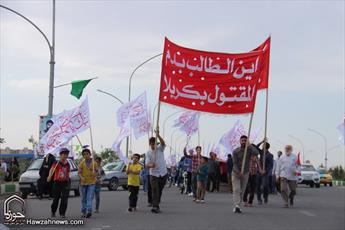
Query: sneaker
(202,201)
(63,216)
(260,202)
(155,210)
(130,210)
(197,200)
(246,204)
(88,215)
(96,211)
(83,214)
(190,194)
(291,202)
(265,200)
(53,215)
(237,209)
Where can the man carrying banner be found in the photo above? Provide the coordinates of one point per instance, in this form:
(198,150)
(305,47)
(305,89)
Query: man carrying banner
(239,176)
(158,169)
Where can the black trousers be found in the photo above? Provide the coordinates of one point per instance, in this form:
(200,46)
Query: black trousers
(133,195)
(44,187)
(60,191)
(211,179)
(250,189)
(149,190)
(189,182)
(157,185)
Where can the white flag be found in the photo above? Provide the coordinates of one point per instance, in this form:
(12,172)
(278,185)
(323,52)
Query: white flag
(137,113)
(188,122)
(66,125)
(231,139)
(124,132)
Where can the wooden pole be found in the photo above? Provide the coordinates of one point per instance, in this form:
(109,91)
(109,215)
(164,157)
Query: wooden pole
(157,127)
(79,141)
(264,148)
(247,143)
(93,166)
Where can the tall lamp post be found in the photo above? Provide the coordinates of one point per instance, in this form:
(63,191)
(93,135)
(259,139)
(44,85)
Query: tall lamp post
(121,102)
(299,141)
(130,81)
(51,50)
(324,139)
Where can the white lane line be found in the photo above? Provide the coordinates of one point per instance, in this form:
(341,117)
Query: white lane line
(307,213)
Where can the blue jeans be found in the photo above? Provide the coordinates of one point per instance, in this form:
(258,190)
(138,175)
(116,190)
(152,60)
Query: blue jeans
(97,195)
(87,193)
(145,181)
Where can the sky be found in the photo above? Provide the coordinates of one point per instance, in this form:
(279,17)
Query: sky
(108,39)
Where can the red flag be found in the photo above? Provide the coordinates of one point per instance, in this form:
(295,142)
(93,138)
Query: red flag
(210,82)
(263,79)
(298,159)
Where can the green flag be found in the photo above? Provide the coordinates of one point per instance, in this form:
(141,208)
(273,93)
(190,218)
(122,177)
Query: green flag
(78,87)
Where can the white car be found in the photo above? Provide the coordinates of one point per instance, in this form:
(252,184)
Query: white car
(309,175)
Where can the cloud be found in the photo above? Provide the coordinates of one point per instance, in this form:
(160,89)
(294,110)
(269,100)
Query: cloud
(29,84)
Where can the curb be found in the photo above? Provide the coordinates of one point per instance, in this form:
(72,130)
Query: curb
(338,183)
(9,188)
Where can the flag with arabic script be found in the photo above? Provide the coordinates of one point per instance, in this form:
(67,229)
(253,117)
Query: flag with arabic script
(188,122)
(211,82)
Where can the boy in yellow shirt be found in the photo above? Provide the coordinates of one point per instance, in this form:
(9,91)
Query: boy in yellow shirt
(87,173)
(133,172)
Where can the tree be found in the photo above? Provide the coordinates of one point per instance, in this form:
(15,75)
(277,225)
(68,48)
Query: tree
(338,172)
(32,141)
(108,155)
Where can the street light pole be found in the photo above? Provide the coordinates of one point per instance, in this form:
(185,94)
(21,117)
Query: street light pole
(51,51)
(299,141)
(121,102)
(325,140)
(166,119)
(130,84)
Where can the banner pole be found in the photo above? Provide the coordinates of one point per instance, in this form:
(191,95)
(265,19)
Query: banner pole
(247,143)
(81,145)
(157,127)
(264,147)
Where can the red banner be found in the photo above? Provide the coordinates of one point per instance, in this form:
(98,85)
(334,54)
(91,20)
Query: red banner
(263,79)
(210,82)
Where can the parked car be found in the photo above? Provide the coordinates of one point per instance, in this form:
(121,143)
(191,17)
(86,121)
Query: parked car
(28,180)
(325,177)
(309,175)
(115,175)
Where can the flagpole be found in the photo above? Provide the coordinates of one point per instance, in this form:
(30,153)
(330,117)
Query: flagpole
(264,147)
(157,127)
(70,83)
(247,143)
(91,139)
(81,145)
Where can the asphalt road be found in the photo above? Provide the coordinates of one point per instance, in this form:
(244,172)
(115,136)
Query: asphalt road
(316,209)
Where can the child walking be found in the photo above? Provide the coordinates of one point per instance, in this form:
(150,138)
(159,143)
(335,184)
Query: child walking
(100,175)
(88,175)
(59,175)
(201,180)
(133,172)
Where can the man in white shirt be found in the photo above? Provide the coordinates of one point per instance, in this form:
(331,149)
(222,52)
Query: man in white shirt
(286,172)
(158,170)
(3,167)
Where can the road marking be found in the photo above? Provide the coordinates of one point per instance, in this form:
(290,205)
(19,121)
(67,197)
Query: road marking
(307,213)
